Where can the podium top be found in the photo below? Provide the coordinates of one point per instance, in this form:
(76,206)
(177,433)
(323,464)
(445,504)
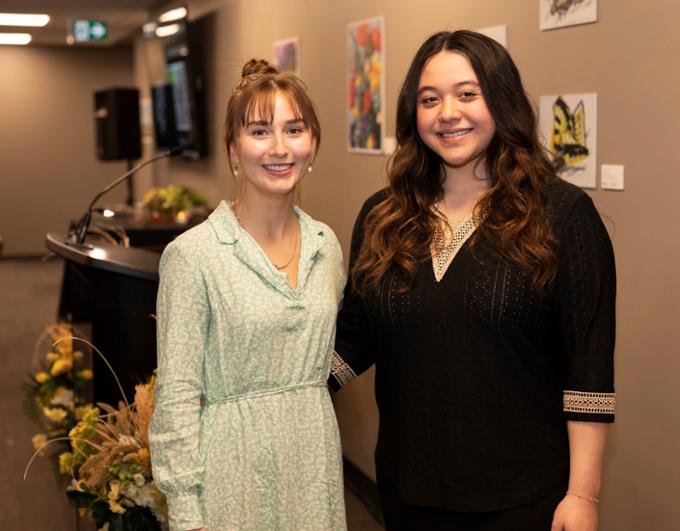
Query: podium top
(128,261)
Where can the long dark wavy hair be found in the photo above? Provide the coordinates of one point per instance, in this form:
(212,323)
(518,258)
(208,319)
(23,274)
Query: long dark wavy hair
(512,215)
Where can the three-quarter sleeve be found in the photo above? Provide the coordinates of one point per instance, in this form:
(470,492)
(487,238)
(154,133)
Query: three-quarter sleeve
(587,291)
(183,315)
(354,344)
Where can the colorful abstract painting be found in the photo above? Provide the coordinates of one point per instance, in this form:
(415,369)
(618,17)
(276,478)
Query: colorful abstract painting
(560,13)
(365,82)
(287,55)
(569,126)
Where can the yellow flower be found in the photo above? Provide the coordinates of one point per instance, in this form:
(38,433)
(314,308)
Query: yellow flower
(42,377)
(52,356)
(61,366)
(116,507)
(114,493)
(80,411)
(38,440)
(65,346)
(78,355)
(66,462)
(144,455)
(85,374)
(55,414)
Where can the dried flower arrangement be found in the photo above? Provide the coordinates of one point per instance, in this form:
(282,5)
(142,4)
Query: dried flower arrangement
(57,390)
(109,461)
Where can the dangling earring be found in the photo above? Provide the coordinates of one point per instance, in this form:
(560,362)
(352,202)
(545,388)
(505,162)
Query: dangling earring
(235,171)
(309,170)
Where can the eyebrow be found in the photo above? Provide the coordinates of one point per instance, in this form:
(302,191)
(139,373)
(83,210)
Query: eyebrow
(266,122)
(456,85)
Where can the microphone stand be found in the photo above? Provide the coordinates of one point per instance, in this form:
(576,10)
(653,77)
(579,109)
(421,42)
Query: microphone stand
(84,223)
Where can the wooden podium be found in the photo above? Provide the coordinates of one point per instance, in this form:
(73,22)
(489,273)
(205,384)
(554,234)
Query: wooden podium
(114,288)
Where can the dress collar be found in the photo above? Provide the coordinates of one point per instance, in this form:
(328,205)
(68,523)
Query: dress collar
(229,231)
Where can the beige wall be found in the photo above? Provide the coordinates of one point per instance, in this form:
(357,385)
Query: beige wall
(630,58)
(48,168)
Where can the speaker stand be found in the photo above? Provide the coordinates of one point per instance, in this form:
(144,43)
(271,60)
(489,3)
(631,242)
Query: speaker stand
(130,201)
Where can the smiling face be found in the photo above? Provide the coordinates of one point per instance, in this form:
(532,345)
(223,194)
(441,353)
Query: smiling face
(452,117)
(273,152)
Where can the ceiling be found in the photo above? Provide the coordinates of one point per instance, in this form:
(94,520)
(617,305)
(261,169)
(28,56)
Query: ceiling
(123,17)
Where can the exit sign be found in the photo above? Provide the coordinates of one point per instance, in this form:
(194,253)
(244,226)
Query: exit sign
(90,30)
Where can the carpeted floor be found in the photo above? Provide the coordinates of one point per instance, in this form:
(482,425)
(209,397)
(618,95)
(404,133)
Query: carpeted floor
(29,291)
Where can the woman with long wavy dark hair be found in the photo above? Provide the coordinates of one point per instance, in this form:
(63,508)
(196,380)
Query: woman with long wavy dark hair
(483,288)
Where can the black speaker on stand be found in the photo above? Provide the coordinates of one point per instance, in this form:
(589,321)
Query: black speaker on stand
(116,113)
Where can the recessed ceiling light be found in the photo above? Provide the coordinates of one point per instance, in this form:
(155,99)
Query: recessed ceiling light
(15,38)
(166,31)
(173,14)
(23,19)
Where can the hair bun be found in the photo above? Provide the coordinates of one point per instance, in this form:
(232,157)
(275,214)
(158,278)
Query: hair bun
(257,67)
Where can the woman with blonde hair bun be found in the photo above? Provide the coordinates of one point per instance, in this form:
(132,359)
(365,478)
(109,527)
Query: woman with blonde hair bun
(244,435)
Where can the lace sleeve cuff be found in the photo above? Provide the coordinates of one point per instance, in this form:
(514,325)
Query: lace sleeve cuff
(341,371)
(580,405)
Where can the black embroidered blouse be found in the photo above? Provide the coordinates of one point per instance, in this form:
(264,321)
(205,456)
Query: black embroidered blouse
(477,374)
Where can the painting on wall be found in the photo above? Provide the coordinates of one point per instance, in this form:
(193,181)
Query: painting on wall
(569,125)
(560,13)
(366,84)
(287,55)
(497,33)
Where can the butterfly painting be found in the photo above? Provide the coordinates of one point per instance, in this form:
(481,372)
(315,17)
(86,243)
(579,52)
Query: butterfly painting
(568,124)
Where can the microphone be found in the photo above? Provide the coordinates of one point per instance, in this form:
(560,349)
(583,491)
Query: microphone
(84,223)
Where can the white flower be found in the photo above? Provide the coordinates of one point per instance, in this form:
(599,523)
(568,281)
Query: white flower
(62,397)
(139,479)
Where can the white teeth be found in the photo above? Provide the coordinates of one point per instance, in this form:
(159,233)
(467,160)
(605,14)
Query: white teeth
(278,167)
(456,133)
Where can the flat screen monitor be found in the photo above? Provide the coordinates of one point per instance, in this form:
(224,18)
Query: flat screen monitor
(178,98)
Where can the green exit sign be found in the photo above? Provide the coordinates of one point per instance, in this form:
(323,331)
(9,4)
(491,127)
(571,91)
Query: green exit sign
(90,30)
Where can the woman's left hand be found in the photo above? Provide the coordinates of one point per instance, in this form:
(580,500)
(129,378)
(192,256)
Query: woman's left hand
(575,514)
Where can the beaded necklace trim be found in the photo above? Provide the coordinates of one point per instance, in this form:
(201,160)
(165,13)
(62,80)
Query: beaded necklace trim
(582,402)
(447,241)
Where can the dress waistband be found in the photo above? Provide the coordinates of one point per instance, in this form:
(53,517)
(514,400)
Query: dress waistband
(263,392)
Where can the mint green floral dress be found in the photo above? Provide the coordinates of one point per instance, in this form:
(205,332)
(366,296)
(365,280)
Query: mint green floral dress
(244,435)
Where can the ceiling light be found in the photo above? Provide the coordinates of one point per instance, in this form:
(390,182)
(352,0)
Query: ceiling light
(166,31)
(15,38)
(173,14)
(21,19)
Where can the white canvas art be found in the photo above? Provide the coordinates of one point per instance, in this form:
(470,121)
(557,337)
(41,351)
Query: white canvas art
(561,13)
(569,126)
(497,33)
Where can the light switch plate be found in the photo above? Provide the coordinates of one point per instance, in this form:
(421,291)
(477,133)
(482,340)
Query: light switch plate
(389,145)
(611,177)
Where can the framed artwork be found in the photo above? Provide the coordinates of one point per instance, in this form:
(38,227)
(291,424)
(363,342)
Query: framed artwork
(366,86)
(569,126)
(287,55)
(561,13)
(497,33)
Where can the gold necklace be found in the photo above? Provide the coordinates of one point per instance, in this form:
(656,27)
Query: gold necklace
(295,245)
